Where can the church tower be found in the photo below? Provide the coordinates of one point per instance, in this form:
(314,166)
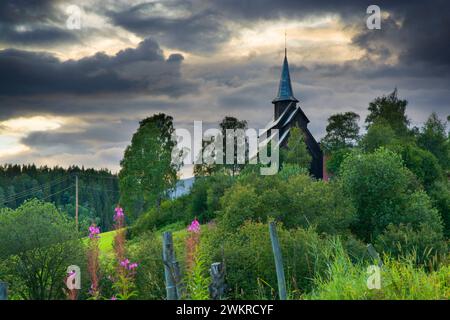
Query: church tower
(288,114)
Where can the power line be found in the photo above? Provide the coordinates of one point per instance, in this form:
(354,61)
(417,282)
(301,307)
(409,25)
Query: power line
(37,188)
(62,190)
(31,191)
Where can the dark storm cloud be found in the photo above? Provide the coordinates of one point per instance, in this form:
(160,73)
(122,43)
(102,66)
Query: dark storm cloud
(418,31)
(32,22)
(192,31)
(143,69)
(97,134)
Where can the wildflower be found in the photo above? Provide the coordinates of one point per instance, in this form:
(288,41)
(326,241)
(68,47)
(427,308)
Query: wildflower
(94,231)
(125,263)
(132,266)
(119,214)
(194,226)
(113,298)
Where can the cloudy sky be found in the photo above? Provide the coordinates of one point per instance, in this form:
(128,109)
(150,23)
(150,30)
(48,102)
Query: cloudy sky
(75,96)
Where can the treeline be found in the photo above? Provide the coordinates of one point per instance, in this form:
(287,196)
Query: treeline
(98,190)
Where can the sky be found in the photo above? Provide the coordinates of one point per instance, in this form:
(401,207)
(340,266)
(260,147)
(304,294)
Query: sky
(76,96)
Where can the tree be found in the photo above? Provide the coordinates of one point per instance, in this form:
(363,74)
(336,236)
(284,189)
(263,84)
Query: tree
(230,124)
(383,192)
(374,182)
(297,151)
(433,137)
(342,131)
(38,243)
(422,163)
(379,134)
(390,109)
(147,172)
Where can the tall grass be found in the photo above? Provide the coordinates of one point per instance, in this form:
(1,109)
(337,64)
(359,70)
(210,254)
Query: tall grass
(401,279)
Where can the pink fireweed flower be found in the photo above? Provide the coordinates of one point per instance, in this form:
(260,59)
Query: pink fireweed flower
(94,231)
(132,266)
(125,263)
(119,214)
(194,226)
(113,298)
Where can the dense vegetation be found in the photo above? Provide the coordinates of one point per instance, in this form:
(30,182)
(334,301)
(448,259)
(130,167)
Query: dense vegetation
(98,190)
(388,187)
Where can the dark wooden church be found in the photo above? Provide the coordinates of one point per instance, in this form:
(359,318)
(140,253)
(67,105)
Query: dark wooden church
(287,113)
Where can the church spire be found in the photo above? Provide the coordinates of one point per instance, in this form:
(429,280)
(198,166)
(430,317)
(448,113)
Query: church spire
(285,87)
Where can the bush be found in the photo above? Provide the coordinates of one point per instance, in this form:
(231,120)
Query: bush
(375,183)
(169,212)
(249,260)
(424,242)
(440,196)
(147,251)
(38,243)
(298,201)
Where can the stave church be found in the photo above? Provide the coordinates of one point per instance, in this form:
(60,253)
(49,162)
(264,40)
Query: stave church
(287,114)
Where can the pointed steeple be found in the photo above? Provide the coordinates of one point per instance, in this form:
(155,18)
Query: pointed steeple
(285,87)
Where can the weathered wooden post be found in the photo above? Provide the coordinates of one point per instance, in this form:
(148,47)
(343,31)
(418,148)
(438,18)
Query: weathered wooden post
(171,289)
(278,261)
(3,291)
(171,269)
(217,287)
(374,254)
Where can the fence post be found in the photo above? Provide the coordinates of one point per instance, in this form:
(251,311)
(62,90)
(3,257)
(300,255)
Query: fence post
(278,260)
(3,291)
(168,260)
(374,254)
(217,287)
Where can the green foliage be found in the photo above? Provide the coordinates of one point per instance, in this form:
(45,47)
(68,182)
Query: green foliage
(98,190)
(169,211)
(425,241)
(379,134)
(391,110)
(422,163)
(297,152)
(198,279)
(233,125)
(440,196)
(296,201)
(433,137)
(202,202)
(147,250)
(289,170)
(248,256)
(205,196)
(342,131)
(400,280)
(335,160)
(38,243)
(147,172)
(389,210)
(374,182)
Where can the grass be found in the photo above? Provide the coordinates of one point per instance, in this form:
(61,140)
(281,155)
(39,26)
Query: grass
(401,279)
(105,243)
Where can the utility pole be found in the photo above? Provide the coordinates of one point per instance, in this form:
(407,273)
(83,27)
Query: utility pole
(76,201)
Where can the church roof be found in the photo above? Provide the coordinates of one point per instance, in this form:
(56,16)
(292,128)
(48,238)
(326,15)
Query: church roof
(285,87)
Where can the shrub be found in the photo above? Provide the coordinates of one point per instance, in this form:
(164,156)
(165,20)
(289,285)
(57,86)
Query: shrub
(298,201)
(249,260)
(38,243)
(147,250)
